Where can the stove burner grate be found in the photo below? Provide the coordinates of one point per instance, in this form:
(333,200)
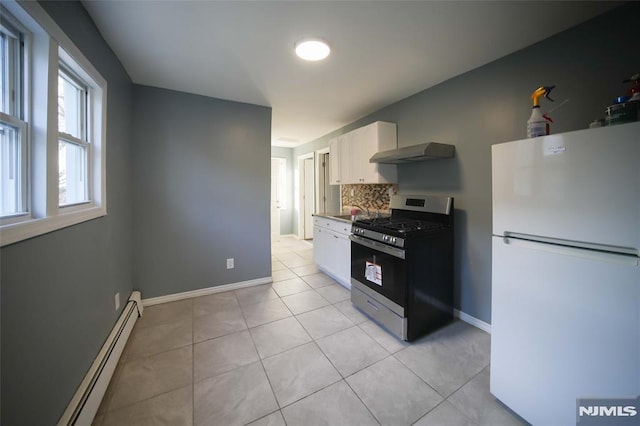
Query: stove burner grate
(402,226)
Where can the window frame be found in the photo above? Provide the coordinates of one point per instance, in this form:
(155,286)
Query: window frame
(15,116)
(16,53)
(47,47)
(83,139)
(23,214)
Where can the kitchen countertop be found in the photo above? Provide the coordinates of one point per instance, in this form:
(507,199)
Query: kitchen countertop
(343,217)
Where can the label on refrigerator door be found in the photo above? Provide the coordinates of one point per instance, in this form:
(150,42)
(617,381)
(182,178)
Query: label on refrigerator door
(553,146)
(373,273)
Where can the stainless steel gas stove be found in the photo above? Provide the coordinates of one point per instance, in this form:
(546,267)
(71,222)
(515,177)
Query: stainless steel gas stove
(402,265)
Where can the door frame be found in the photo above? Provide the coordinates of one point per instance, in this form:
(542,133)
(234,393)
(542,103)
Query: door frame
(275,236)
(300,182)
(318,165)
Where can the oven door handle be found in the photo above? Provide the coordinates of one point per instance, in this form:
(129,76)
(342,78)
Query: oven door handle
(390,250)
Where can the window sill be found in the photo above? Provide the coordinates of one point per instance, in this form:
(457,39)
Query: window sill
(13,233)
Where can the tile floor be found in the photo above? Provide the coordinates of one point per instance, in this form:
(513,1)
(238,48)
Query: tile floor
(295,352)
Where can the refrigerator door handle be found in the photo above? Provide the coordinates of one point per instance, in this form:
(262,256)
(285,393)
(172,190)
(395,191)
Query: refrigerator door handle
(597,255)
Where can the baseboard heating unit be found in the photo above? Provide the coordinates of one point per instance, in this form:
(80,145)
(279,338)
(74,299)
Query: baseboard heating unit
(86,401)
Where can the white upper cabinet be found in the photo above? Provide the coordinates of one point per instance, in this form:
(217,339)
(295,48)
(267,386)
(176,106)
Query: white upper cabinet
(335,175)
(350,155)
(339,152)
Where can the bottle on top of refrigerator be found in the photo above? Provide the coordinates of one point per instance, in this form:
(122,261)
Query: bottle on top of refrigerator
(538,125)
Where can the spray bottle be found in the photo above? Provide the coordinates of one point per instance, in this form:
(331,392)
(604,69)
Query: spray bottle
(634,91)
(537,125)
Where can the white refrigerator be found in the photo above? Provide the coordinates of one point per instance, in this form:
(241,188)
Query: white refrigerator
(565,320)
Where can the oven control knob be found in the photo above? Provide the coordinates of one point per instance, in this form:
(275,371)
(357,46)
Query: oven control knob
(393,240)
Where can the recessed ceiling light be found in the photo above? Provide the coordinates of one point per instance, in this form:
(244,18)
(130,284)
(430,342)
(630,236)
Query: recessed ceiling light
(312,49)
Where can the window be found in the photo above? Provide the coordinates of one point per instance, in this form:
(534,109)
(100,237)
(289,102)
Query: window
(73,146)
(13,128)
(52,171)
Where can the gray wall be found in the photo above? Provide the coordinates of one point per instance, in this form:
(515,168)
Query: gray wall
(286,215)
(490,105)
(58,289)
(201,191)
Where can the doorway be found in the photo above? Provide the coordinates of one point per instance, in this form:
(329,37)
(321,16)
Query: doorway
(327,195)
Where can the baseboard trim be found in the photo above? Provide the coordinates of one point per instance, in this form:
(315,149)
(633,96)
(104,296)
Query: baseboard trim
(204,291)
(472,320)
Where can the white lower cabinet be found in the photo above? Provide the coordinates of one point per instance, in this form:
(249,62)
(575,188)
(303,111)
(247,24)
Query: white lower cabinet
(332,248)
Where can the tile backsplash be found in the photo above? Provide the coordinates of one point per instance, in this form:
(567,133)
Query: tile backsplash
(374,197)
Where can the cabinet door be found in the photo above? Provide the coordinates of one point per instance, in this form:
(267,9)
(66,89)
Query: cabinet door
(380,136)
(366,141)
(332,264)
(349,155)
(366,144)
(320,247)
(335,177)
(332,252)
(345,143)
(343,260)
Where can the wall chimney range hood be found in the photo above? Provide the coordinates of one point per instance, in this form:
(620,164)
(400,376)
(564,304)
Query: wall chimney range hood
(413,154)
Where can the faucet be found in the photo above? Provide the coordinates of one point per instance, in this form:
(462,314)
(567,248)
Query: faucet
(361,208)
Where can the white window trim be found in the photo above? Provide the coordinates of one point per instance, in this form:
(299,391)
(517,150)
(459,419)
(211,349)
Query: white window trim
(22,127)
(46,215)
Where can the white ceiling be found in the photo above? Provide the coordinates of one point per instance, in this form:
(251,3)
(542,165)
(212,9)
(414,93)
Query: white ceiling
(382,51)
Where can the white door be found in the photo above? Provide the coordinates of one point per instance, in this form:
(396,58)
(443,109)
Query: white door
(278,168)
(308,198)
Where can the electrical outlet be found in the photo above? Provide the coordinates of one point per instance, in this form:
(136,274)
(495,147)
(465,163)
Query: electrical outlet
(117,299)
(230,263)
